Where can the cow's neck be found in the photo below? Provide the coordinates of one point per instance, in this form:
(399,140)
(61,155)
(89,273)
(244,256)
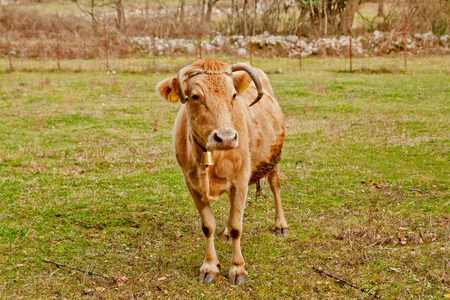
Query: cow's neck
(197,142)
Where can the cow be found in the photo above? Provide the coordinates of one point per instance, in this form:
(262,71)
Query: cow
(228,135)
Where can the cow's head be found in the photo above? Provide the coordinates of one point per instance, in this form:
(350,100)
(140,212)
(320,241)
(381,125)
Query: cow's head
(209,90)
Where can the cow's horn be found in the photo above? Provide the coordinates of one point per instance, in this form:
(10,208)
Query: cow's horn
(253,75)
(180,76)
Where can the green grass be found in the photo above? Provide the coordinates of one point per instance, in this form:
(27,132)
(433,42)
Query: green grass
(88,179)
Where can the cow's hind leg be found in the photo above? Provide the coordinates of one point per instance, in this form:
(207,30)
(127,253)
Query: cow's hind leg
(281,226)
(226,237)
(210,267)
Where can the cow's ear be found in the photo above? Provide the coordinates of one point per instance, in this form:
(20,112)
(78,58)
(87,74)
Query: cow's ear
(241,81)
(168,89)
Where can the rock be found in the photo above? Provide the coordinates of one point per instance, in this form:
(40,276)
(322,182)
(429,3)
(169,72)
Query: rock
(307,51)
(160,49)
(190,48)
(292,39)
(207,46)
(445,40)
(411,46)
(377,34)
(218,41)
(426,37)
(172,44)
(271,40)
(304,44)
(242,52)
(429,36)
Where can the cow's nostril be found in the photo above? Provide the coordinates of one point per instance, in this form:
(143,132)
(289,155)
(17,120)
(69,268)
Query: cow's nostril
(217,138)
(235,137)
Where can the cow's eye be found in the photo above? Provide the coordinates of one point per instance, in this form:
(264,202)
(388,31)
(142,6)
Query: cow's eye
(234,96)
(195,97)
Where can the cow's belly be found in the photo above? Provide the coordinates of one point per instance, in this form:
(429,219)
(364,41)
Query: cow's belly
(263,168)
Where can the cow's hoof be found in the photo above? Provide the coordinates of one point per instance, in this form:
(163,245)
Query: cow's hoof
(236,279)
(237,275)
(226,238)
(207,277)
(208,273)
(282,231)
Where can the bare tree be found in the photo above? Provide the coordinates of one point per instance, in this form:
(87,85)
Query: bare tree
(347,16)
(209,9)
(161,5)
(120,11)
(90,7)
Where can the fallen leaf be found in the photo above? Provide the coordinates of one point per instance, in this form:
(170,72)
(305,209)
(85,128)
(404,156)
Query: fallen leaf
(162,278)
(375,186)
(395,270)
(88,291)
(121,280)
(100,289)
(402,238)
(447,295)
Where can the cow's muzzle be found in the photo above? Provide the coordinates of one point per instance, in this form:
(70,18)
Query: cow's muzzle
(223,139)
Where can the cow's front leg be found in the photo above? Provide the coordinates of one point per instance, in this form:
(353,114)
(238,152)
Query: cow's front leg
(210,267)
(238,275)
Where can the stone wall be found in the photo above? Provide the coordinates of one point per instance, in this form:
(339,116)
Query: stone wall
(378,43)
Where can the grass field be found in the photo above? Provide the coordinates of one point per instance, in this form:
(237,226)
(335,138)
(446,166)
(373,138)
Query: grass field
(88,179)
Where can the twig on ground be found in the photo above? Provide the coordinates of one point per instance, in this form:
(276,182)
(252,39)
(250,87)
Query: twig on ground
(344,281)
(73,268)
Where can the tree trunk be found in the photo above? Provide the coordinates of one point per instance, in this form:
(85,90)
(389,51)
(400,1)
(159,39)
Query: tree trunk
(182,5)
(325,4)
(120,22)
(347,16)
(245,18)
(209,9)
(380,9)
(233,6)
(94,21)
(255,19)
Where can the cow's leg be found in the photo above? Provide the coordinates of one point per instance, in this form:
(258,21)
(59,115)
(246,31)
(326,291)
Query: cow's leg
(226,237)
(237,274)
(281,226)
(210,267)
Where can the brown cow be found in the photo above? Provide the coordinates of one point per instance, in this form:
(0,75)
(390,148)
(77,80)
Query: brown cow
(223,145)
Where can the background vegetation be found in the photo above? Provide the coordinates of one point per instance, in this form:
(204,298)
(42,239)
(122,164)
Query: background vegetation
(34,25)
